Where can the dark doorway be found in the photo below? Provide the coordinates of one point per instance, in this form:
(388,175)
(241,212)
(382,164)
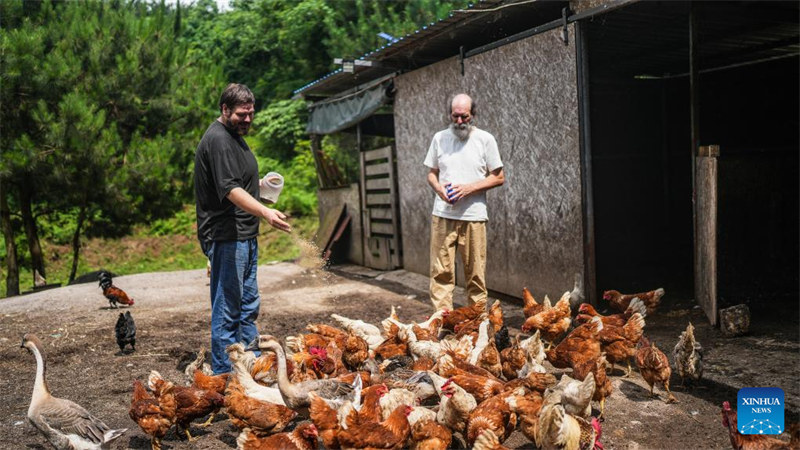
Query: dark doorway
(752,113)
(641,147)
(641,161)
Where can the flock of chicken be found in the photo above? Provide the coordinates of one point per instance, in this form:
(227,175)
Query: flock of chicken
(458,376)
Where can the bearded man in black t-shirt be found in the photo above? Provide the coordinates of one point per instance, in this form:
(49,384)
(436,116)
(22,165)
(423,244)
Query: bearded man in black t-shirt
(226,188)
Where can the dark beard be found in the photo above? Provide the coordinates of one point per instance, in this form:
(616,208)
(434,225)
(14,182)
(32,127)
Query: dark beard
(461,131)
(234,128)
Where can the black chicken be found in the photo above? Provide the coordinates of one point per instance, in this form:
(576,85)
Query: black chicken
(501,339)
(125,329)
(112,293)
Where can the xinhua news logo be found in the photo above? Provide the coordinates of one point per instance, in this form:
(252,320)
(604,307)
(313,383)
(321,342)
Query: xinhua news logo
(760,411)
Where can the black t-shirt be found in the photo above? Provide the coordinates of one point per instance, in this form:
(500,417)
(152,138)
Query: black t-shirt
(223,161)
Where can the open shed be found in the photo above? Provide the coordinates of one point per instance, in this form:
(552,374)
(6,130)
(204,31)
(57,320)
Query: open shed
(646,144)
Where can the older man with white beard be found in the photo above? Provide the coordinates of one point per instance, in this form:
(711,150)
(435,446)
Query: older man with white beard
(464,163)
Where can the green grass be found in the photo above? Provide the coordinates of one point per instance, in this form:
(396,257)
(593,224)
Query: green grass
(164,245)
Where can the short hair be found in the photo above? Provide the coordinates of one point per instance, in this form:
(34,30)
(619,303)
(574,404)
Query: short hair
(234,95)
(473,105)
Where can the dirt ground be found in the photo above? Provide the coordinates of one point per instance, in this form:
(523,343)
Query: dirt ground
(172,314)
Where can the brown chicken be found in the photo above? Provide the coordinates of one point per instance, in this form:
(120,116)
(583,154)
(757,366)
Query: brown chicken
(620,302)
(429,333)
(326,420)
(112,293)
(423,363)
(527,408)
(619,343)
(427,434)
(487,440)
(327,331)
(313,364)
(192,403)
(553,322)
(302,342)
(496,315)
(304,437)
(494,414)
(265,369)
(370,407)
(260,416)
(654,366)
(469,327)
(580,346)
(587,311)
(602,384)
(755,441)
(485,354)
(513,359)
(154,414)
(479,387)
(392,433)
(529,305)
(394,345)
(214,383)
(452,318)
(355,349)
(533,382)
(350,378)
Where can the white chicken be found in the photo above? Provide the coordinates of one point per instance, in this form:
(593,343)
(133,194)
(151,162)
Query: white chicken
(455,406)
(364,330)
(576,395)
(394,398)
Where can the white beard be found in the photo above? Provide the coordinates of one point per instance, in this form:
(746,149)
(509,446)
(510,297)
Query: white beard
(462,131)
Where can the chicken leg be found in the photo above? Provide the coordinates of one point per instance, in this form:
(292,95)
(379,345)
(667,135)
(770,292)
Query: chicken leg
(670,398)
(188,436)
(208,422)
(155,443)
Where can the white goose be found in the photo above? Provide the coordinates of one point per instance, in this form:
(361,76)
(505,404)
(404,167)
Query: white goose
(65,424)
(239,360)
(296,395)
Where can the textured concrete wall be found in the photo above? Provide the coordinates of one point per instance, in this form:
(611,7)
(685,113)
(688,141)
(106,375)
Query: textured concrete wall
(332,199)
(527,97)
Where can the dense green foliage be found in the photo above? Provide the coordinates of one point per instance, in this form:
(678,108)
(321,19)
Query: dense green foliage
(104,103)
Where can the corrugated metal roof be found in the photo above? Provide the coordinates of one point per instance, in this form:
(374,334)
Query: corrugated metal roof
(485,22)
(652,38)
(646,38)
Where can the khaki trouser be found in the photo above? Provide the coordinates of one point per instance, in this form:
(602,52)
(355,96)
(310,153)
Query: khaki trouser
(469,238)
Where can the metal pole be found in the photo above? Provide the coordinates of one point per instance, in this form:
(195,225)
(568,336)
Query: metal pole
(694,90)
(362,200)
(584,119)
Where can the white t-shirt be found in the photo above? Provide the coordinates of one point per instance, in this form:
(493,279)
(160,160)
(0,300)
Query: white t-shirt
(463,162)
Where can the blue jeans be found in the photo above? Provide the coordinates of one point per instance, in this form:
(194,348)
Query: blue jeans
(234,297)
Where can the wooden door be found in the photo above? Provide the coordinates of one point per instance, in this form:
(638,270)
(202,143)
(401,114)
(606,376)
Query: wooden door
(379,206)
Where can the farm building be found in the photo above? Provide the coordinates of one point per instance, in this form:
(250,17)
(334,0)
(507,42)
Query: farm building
(645,144)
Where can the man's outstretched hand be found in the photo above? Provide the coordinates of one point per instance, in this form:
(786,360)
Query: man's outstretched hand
(277,220)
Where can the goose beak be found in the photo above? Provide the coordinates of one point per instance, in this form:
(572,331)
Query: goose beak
(253,345)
